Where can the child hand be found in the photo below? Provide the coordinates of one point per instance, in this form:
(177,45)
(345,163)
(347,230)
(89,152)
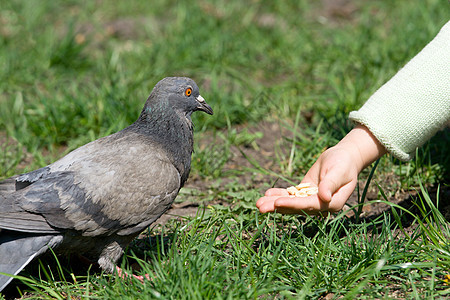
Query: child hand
(335,173)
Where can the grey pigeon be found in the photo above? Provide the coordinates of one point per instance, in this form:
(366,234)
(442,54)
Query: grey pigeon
(99,197)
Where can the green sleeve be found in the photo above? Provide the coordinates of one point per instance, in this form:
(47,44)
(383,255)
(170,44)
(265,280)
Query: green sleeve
(414,104)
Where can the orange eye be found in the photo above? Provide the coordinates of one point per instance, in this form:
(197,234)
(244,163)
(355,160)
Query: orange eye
(188,92)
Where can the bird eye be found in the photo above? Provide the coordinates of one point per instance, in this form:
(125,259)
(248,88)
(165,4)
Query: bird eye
(188,92)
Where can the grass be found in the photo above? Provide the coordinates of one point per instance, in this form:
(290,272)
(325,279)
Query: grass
(75,71)
(242,255)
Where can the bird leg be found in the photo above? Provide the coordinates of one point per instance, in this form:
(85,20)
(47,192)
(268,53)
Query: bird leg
(110,255)
(123,274)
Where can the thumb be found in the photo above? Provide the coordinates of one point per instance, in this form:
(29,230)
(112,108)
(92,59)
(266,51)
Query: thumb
(331,182)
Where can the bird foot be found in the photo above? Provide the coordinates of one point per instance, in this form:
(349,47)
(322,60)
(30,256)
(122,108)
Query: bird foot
(122,274)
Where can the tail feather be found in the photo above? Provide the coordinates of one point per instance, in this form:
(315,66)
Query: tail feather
(18,249)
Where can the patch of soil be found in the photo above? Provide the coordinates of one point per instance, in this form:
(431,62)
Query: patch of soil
(261,152)
(178,211)
(337,10)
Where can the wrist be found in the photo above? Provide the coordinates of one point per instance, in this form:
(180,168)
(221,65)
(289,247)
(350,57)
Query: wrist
(363,145)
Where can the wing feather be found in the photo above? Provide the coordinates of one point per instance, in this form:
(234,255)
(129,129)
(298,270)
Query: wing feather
(111,185)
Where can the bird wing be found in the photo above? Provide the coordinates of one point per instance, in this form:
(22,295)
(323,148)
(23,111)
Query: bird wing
(18,182)
(120,183)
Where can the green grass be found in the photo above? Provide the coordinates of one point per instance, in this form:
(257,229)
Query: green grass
(73,71)
(226,255)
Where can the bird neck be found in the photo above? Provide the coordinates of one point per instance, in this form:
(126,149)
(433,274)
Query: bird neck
(172,132)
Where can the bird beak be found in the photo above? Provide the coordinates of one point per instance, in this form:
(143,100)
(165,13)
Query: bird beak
(203,106)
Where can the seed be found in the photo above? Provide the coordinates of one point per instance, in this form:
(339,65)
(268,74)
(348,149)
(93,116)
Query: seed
(292,190)
(303,185)
(302,190)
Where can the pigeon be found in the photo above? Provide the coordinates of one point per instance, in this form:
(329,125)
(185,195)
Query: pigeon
(99,197)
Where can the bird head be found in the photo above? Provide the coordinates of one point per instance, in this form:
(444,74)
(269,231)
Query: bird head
(178,93)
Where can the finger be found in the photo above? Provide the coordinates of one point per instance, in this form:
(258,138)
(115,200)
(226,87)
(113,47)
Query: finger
(311,205)
(276,192)
(331,182)
(270,195)
(341,196)
(266,204)
(259,202)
